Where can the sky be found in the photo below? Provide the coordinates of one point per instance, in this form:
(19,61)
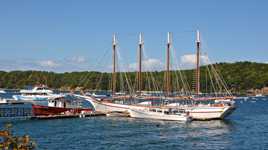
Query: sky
(76,35)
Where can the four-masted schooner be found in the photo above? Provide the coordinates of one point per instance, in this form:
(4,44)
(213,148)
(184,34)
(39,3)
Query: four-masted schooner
(171,109)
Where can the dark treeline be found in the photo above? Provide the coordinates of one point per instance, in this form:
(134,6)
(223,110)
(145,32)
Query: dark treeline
(239,77)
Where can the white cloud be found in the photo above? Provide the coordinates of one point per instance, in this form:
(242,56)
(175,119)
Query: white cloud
(48,63)
(77,59)
(149,64)
(190,59)
(56,65)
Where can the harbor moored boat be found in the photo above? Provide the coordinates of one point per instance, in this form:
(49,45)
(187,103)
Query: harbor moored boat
(159,114)
(219,107)
(60,105)
(38,93)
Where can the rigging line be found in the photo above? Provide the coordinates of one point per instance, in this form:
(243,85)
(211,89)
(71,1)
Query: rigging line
(154,82)
(121,79)
(101,76)
(146,73)
(98,82)
(180,76)
(222,81)
(98,62)
(176,69)
(184,81)
(149,72)
(218,79)
(128,83)
(211,79)
(217,87)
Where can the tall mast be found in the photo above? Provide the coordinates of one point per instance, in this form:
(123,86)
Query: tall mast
(168,88)
(114,65)
(197,88)
(140,63)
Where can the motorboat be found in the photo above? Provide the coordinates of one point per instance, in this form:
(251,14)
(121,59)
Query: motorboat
(38,93)
(60,105)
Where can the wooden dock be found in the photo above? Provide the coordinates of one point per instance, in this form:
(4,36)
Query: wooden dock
(63,116)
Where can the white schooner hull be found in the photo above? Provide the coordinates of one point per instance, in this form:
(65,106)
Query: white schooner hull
(105,107)
(196,112)
(145,114)
(209,113)
(109,107)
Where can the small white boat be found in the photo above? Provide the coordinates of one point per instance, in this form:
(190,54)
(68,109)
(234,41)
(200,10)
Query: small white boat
(2,91)
(3,101)
(259,95)
(146,103)
(99,96)
(38,93)
(118,114)
(159,114)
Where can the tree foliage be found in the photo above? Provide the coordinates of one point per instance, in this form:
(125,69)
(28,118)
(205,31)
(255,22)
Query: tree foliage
(239,76)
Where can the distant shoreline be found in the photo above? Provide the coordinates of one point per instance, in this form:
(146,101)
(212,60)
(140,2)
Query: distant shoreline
(241,78)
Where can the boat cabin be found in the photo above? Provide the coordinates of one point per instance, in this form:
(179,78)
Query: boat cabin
(168,111)
(37,90)
(64,102)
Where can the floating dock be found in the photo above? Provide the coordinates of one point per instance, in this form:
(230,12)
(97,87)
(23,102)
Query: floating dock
(11,110)
(93,114)
(24,110)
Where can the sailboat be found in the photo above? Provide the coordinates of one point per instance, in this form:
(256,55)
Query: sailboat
(195,111)
(222,106)
(2,91)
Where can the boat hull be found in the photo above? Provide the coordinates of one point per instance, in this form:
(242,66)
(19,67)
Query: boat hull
(105,107)
(196,112)
(145,114)
(31,97)
(210,113)
(39,110)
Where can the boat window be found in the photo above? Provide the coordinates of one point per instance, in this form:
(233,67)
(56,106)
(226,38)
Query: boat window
(159,110)
(175,111)
(153,110)
(182,111)
(166,112)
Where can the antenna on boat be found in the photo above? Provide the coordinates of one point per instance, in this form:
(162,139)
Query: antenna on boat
(167,77)
(197,86)
(114,43)
(140,63)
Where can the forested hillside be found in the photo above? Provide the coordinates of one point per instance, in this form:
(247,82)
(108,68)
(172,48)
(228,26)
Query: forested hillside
(239,76)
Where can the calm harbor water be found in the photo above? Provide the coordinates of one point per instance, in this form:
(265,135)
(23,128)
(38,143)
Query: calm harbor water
(246,128)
